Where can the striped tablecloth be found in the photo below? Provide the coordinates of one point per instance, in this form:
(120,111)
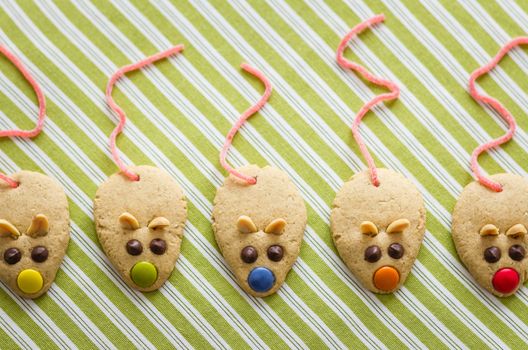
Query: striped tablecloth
(180,110)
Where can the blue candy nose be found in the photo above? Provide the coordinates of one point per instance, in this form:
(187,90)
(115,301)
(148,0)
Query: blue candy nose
(261,279)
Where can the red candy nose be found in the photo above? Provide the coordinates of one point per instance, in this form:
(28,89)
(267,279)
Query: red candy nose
(505,280)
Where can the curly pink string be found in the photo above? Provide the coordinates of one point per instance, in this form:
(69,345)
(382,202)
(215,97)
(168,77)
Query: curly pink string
(122,116)
(393,94)
(42,108)
(495,104)
(242,119)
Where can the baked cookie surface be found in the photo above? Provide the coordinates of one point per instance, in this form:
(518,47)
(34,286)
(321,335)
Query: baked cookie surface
(259,228)
(378,231)
(489,232)
(34,233)
(140,225)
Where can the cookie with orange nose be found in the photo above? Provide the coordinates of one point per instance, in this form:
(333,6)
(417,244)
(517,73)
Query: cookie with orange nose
(34,233)
(259,228)
(490,233)
(140,225)
(378,230)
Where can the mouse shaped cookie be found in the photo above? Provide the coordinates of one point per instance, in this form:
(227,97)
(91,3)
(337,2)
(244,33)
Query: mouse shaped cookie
(34,233)
(489,232)
(259,227)
(378,230)
(140,225)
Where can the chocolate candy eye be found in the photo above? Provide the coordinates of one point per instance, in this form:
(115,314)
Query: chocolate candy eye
(396,250)
(39,254)
(492,254)
(516,252)
(275,253)
(12,256)
(372,253)
(249,254)
(134,247)
(158,246)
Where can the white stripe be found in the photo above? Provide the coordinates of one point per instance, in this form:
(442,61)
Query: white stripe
(480,55)
(16,333)
(92,332)
(318,326)
(218,302)
(41,319)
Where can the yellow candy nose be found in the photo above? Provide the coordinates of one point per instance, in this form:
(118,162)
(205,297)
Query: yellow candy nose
(30,281)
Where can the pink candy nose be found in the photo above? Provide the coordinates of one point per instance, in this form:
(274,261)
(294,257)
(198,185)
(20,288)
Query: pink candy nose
(505,280)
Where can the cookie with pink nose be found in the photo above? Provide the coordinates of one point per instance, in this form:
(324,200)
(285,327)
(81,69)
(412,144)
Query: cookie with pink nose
(34,233)
(378,230)
(490,232)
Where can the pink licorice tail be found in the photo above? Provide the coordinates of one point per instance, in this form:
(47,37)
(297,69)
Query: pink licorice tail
(42,108)
(122,116)
(495,104)
(242,119)
(393,94)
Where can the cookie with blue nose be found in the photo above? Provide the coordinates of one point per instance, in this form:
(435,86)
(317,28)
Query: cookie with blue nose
(140,225)
(34,233)
(259,228)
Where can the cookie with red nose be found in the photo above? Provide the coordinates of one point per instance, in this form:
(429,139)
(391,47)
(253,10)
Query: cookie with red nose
(489,231)
(34,233)
(259,228)
(378,231)
(140,225)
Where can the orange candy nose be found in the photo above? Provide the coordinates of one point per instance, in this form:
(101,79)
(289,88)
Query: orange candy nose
(386,278)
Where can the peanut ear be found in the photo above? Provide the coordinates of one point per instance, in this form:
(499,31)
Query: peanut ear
(398,226)
(246,225)
(8,230)
(368,228)
(276,227)
(39,226)
(158,223)
(128,221)
(516,231)
(489,230)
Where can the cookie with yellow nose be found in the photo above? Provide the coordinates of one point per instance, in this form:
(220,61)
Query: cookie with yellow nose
(259,227)
(140,225)
(378,230)
(34,233)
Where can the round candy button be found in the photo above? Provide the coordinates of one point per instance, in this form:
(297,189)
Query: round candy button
(144,274)
(386,278)
(505,280)
(30,281)
(261,279)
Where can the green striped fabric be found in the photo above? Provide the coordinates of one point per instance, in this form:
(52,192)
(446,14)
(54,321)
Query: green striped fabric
(181,108)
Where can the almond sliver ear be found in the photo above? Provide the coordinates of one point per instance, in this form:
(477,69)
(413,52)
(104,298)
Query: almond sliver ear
(8,230)
(489,230)
(158,223)
(246,225)
(399,225)
(276,227)
(368,228)
(39,226)
(516,231)
(128,221)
